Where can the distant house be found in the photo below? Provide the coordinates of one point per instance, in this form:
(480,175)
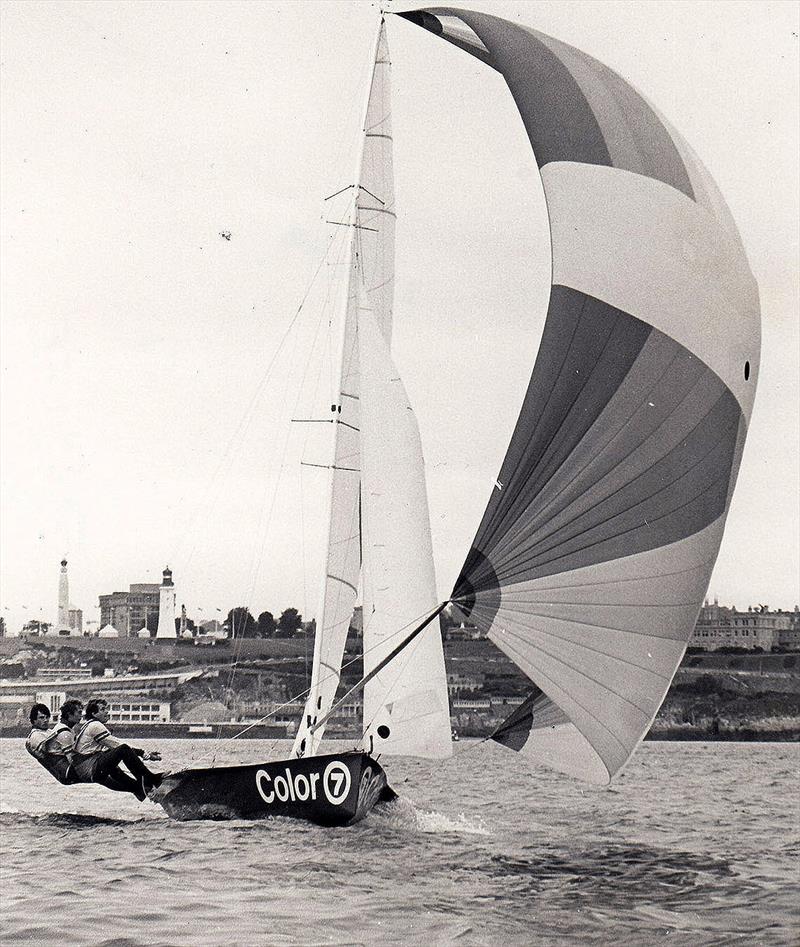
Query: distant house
(719,626)
(208,711)
(459,683)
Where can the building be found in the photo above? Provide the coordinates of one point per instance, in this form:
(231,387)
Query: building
(719,626)
(36,627)
(459,683)
(129,611)
(51,699)
(135,710)
(75,620)
(789,638)
(108,687)
(464,632)
(62,673)
(166,606)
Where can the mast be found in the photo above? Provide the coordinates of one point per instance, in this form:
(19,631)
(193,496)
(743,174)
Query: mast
(370,252)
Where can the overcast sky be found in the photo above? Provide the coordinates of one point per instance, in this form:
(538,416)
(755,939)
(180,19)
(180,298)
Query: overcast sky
(149,364)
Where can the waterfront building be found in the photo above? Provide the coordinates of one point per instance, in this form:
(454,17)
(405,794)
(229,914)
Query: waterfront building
(51,699)
(719,626)
(61,673)
(134,710)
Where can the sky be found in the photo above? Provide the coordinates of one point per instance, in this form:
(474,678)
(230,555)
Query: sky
(164,174)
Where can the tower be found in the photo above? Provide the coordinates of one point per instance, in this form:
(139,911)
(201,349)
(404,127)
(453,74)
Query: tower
(62,622)
(166,606)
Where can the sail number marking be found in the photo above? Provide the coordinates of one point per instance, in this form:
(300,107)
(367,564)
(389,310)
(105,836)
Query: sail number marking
(300,788)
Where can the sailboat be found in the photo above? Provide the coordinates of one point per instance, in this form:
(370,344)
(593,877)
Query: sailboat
(598,539)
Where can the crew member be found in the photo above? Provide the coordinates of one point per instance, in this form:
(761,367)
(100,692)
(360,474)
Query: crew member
(97,754)
(45,746)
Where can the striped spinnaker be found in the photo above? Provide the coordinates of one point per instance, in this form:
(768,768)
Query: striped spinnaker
(596,548)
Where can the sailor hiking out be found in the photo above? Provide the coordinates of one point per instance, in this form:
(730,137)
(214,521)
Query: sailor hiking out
(97,755)
(51,747)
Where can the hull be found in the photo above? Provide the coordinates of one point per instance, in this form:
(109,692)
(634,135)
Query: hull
(338,789)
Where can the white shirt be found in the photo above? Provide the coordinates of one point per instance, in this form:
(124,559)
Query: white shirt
(36,741)
(94,737)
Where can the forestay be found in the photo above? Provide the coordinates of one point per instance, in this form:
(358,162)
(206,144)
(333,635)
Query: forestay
(596,548)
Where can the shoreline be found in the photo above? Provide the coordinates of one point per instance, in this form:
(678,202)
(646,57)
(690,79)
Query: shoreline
(267,732)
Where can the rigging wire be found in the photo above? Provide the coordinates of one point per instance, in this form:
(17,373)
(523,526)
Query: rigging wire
(266,521)
(301,695)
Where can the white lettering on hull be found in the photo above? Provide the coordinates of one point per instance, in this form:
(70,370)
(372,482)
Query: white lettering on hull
(301,787)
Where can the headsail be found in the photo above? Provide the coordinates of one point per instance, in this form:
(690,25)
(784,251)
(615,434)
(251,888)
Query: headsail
(406,709)
(596,548)
(371,276)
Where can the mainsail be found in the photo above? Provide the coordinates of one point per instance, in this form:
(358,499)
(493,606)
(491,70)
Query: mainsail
(415,685)
(370,278)
(597,545)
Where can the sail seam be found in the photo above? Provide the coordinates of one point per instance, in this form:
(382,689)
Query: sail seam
(637,447)
(588,677)
(542,675)
(628,509)
(586,624)
(697,567)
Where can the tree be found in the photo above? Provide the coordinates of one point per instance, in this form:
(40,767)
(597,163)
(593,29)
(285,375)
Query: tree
(241,623)
(190,626)
(266,625)
(290,622)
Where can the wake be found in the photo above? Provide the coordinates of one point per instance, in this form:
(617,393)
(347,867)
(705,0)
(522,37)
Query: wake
(403,814)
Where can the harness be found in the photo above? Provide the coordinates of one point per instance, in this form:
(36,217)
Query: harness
(79,731)
(83,764)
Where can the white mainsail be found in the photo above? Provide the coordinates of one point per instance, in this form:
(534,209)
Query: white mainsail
(370,278)
(406,710)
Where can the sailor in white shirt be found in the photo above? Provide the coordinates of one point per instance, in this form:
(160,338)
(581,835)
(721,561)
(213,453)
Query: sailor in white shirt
(44,746)
(97,755)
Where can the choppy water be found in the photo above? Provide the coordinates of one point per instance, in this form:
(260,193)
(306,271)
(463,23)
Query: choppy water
(695,844)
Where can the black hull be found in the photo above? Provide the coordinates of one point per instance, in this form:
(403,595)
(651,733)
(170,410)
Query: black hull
(338,789)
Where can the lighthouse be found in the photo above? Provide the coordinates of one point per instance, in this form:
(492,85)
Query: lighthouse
(166,606)
(62,622)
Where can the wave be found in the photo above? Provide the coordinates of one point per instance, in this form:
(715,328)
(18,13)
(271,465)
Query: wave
(67,820)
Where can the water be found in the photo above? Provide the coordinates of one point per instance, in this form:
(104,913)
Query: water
(695,844)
